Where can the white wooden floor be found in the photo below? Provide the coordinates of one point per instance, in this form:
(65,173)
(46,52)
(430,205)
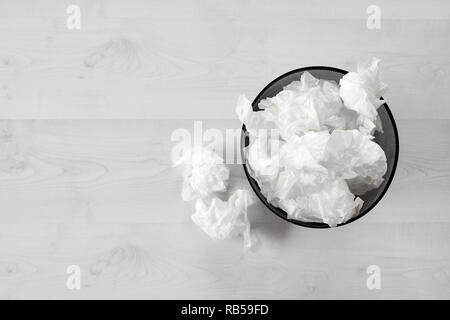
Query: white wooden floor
(85,171)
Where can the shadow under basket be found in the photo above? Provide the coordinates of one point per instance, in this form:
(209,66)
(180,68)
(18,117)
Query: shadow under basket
(388,141)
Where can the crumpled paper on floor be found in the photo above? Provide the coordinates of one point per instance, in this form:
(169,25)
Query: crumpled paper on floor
(204,173)
(225,219)
(205,177)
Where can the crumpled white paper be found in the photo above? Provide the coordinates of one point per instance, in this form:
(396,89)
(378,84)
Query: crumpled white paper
(355,157)
(254,121)
(204,173)
(205,177)
(333,204)
(361,92)
(306,105)
(225,219)
(264,154)
(324,154)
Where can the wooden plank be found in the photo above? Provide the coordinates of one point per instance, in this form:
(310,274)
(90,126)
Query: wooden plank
(120,171)
(195,64)
(203,9)
(177,261)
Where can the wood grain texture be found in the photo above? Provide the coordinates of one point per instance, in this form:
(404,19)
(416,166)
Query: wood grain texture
(132,59)
(150,261)
(85,143)
(102,194)
(121,171)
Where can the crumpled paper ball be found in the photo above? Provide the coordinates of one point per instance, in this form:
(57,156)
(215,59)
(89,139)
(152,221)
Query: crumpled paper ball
(205,178)
(264,155)
(204,173)
(225,219)
(355,157)
(361,92)
(333,204)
